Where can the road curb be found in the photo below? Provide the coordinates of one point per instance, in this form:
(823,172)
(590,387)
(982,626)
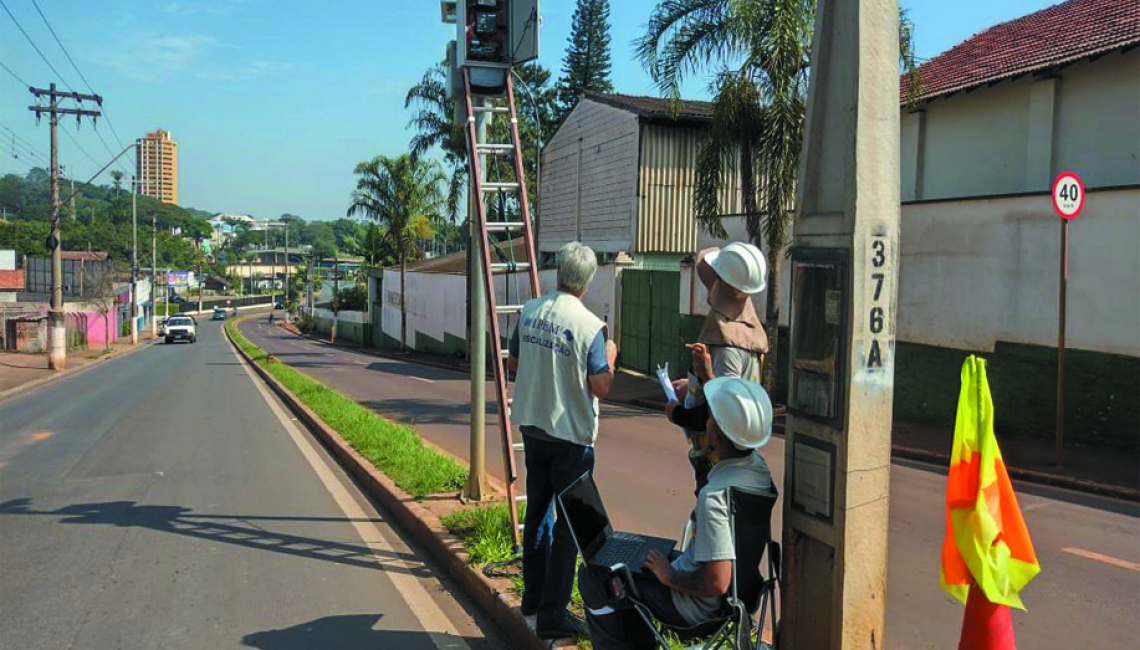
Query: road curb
(42,381)
(494,599)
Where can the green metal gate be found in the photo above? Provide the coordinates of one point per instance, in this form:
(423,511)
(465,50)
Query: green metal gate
(651,321)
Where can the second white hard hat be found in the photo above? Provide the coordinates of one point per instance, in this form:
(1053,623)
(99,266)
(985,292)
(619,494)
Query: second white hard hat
(740,265)
(741,409)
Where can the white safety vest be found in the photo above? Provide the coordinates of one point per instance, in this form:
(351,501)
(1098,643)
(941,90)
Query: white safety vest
(552,391)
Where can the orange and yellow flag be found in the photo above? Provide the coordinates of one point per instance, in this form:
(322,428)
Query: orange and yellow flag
(986,543)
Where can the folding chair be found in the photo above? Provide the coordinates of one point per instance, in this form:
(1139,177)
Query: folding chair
(749,593)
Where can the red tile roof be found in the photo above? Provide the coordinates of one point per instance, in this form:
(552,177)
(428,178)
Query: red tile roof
(1057,35)
(12,280)
(90,256)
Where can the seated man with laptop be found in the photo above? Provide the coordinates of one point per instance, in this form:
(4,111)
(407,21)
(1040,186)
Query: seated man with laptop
(691,588)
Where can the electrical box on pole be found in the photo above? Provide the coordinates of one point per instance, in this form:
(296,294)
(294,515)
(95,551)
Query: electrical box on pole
(493,36)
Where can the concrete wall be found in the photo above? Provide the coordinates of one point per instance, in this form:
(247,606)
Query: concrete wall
(437,306)
(1017,136)
(589,180)
(976,272)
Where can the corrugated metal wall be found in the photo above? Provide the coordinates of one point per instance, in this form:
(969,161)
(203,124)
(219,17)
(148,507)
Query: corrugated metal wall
(666,218)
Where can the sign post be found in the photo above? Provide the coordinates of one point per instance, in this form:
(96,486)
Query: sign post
(1068,201)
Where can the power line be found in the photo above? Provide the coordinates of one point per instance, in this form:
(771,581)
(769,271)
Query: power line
(14,75)
(76,143)
(16,157)
(15,137)
(35,47)
(60,43)
(105,115)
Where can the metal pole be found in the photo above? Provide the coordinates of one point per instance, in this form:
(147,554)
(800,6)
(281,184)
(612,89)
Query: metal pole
(153,273)
(335,298)
(57,337)
(286,266)
(1058,451)
(477,472)
(134,262)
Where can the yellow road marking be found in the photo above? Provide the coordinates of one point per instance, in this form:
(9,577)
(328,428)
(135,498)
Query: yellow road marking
(1097,557)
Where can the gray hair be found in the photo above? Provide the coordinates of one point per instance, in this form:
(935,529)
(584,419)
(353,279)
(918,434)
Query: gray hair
(576,266)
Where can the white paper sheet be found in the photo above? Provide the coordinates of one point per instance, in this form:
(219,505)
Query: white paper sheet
(666,384)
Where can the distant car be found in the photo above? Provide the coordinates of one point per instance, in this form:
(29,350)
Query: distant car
(177,299)
(280,304)
(219,314)
(180,328)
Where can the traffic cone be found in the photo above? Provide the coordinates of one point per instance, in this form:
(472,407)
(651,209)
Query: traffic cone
(986,626)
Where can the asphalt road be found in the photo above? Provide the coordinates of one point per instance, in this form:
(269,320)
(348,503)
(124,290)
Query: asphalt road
(1087,595)
(166,500)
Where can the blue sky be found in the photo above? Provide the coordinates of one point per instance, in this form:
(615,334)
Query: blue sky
(273,102)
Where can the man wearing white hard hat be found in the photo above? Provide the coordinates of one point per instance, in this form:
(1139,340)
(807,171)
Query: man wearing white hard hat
(691,589)
(732,336)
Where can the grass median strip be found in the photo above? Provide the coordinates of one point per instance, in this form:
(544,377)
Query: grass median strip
(394,449)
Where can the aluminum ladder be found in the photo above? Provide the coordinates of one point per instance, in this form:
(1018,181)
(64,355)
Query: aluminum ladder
(495,311)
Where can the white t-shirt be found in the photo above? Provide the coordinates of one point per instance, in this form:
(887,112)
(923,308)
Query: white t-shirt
(713,537)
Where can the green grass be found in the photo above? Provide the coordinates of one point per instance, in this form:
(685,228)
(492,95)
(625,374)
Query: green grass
(396,450)
(485,531)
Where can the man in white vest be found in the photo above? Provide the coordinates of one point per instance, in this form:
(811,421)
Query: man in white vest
(564,364)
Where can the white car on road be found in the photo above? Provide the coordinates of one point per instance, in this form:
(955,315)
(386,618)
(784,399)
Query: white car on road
(180,328)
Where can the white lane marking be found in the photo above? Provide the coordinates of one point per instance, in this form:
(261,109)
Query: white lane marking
(440,629)
(430,381)
(1105,559)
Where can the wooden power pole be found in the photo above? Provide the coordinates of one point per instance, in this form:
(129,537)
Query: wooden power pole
(57,334)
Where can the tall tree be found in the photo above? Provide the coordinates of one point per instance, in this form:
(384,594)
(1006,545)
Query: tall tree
(402,193)
(587,65)
(761,50)
(435,127)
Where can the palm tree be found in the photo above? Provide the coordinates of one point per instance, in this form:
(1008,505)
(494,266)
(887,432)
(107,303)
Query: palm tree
(402,193)
(761,50)
(433,121)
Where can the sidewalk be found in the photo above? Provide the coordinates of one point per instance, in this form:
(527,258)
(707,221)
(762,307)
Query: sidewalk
(1108,472)
(19,370)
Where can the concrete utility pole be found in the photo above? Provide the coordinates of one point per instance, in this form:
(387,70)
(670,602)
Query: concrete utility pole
(200,283)
(476,488)
(844,288)
(57,332)
(134,262)
(153,274)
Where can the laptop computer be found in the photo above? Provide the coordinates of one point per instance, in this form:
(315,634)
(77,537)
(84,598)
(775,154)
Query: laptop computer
(590,525)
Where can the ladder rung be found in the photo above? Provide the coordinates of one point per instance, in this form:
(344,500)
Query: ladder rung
(520,498)
(495,147)
(505,354)
(492,109)
(500,187)
(518,446)
(509,267)
(503,226)
(508,309)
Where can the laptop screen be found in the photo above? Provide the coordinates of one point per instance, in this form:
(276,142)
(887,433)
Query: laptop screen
(585,513)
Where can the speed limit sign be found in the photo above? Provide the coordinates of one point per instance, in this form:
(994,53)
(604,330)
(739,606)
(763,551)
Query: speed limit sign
(1068,195)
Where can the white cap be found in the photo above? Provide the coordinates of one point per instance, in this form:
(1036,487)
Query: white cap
(740,265)
(741,409)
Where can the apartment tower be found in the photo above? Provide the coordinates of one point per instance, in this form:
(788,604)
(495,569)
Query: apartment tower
(157,173)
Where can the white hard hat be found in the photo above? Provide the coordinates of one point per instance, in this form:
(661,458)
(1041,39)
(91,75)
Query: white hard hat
(741,409)
(740,265)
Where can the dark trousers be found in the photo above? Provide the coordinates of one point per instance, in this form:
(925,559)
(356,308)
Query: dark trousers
(617,626)
(549,552)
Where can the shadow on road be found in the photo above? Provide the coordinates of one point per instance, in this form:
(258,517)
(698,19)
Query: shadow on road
(347,631)
(183,521)
(429,411)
